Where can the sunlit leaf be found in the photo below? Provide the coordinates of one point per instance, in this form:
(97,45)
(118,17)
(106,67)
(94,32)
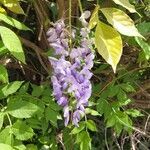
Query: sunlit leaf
(126,4)
(109,44)
(21,109)
(13,5)
(6,136)
(121,21)
(9,89)
(5,147)
(12,43)
(22,131)
(13,22)
(94,18)
(2,10)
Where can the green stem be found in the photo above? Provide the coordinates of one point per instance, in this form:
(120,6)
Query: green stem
(10,123)
(80,6)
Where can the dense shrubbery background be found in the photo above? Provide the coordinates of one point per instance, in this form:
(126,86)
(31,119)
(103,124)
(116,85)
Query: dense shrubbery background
(118,113)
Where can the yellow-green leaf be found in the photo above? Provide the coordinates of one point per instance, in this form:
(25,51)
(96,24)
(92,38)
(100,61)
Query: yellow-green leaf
(121,21)
(94,18)
(126,4)
(2,10)
(109,44)
(13,5)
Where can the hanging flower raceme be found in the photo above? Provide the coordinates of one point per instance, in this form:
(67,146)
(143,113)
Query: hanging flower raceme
(71,70)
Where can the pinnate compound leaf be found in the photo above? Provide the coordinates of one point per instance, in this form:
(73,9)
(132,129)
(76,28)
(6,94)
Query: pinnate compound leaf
(109,44)
(94,18)
(121,21)
(12,43)
(19,108)
(13,22)
(22,131)
(126,4)
(13,5)
(5,147)
(3,74)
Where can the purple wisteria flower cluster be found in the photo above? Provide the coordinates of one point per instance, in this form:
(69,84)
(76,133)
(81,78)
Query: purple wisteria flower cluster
(71,70)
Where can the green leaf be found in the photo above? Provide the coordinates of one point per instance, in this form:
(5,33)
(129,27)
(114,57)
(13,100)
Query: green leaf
(10,88)
(118,128)
(3,74)
(22,131)
(19,145)
(37,90)
(13,22)
(145,47)
(1,119)
(109,44)
(31,147)
(113,90)
(3,49)
(84,139)
(121,95)
(91,125)
(6,136)
(51,115)
(121,21)
(19,108)
(5,147)
(126,4)
(111,120)
(76,130)
(133,112)
(124,120)
(92,112)
(103,107)
(144,28)
(13,5)
(12,43)
(94,18)
(127,87)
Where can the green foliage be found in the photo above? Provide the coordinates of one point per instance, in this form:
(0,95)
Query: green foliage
(3,75)
(22,131)
(12,43)
(30,118)
(13,22)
